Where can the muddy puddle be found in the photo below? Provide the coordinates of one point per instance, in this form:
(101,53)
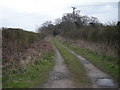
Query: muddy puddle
(105,82)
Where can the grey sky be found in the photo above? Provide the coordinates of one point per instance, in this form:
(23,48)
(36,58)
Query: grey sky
(28,14)
(119,11)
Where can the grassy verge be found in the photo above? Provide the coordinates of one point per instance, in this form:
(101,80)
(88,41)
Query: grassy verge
(33,76)
(105,63)
(75,67)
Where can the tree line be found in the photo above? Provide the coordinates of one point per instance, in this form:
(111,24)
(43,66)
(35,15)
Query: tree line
(82,27)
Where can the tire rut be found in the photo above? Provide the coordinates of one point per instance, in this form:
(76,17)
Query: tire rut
(98,78)
(60,76)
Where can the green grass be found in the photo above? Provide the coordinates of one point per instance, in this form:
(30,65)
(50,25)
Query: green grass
(33,76)
(0,81)
(75,67)
(105,63)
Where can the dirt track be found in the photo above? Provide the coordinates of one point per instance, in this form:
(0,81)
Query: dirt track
(60,76)
(98,78)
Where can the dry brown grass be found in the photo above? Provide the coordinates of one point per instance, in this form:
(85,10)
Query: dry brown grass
(99,48)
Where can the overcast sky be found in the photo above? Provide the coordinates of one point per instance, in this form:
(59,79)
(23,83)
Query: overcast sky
(29,14)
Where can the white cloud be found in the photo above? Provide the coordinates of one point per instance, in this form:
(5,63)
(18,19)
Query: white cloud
(28,13)
(42,6)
